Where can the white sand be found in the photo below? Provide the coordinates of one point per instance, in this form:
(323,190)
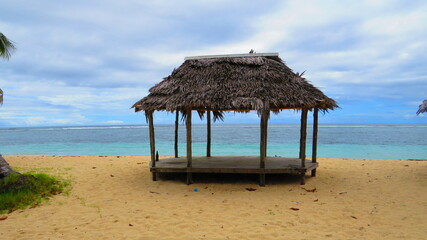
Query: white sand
(114,198)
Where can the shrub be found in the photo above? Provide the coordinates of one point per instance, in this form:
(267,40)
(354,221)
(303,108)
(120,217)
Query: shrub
(27,190)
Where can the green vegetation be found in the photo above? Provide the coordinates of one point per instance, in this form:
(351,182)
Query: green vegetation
(28,190)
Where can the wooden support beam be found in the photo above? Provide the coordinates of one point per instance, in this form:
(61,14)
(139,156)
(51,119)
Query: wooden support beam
(315,130)
(189,150)
(263,138)
(303,136)
(303,178)
(208,140)
(263,143)
(152,142)
(262,180)
(176,132)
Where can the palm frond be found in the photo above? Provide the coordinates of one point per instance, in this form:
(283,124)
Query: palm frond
(218,116)
(6,47)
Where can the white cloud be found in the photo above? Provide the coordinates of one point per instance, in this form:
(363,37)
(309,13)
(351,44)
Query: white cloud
(89,62)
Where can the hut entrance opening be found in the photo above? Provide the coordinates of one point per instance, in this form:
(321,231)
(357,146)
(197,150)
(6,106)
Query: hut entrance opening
(261,164)
(240,83)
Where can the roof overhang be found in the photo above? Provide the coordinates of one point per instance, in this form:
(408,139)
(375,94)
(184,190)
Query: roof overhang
(233,56)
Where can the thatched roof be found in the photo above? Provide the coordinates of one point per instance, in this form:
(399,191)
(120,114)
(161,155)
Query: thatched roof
(421,109)
(234,83)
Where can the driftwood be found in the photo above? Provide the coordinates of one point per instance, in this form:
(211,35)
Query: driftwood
(5,169)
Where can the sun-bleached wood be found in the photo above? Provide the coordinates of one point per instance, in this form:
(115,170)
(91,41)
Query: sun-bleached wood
(152,142)
(315,130)
(189,148)
(263,143)
(208,135)
(176,133)
(234,164)
(233,56)
(303,142)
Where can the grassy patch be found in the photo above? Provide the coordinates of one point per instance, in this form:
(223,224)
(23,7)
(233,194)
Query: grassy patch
(16,193)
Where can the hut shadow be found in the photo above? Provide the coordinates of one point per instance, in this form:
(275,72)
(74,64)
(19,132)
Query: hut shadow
(230,178)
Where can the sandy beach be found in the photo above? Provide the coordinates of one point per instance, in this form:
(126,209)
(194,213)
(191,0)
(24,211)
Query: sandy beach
(113,197)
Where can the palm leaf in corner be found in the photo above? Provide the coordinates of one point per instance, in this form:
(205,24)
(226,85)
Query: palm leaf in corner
(6,47)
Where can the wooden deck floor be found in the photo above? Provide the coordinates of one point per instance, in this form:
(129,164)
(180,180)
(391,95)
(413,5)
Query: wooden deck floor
(233,165)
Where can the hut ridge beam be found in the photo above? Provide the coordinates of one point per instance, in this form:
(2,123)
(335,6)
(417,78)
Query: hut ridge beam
(233,56)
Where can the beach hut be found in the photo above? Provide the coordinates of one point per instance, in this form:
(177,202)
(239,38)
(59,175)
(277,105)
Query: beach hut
(241,83)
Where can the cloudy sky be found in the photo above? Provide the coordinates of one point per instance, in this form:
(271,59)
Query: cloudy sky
(86,62)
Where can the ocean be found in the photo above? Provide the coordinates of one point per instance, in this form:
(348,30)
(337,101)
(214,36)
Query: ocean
(369,141)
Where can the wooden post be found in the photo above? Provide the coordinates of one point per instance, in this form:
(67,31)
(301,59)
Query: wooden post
(302,177)
(208,140)
(303,138)
(315,129)
(189,150)
(152,143)
(263,144)
(176,132)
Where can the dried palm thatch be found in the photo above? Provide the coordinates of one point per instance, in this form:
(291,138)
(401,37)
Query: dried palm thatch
(226,83)
(422,108)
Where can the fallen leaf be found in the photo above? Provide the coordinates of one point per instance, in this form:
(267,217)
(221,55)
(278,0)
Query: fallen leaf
(295,209)
(251,189)
(310,190)
(3,218)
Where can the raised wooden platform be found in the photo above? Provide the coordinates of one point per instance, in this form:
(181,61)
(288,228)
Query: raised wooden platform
(273,165)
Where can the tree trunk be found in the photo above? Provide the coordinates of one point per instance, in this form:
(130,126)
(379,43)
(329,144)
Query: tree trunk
(5,169)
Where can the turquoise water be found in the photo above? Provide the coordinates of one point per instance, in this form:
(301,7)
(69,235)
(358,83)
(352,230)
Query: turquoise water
(377,141)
